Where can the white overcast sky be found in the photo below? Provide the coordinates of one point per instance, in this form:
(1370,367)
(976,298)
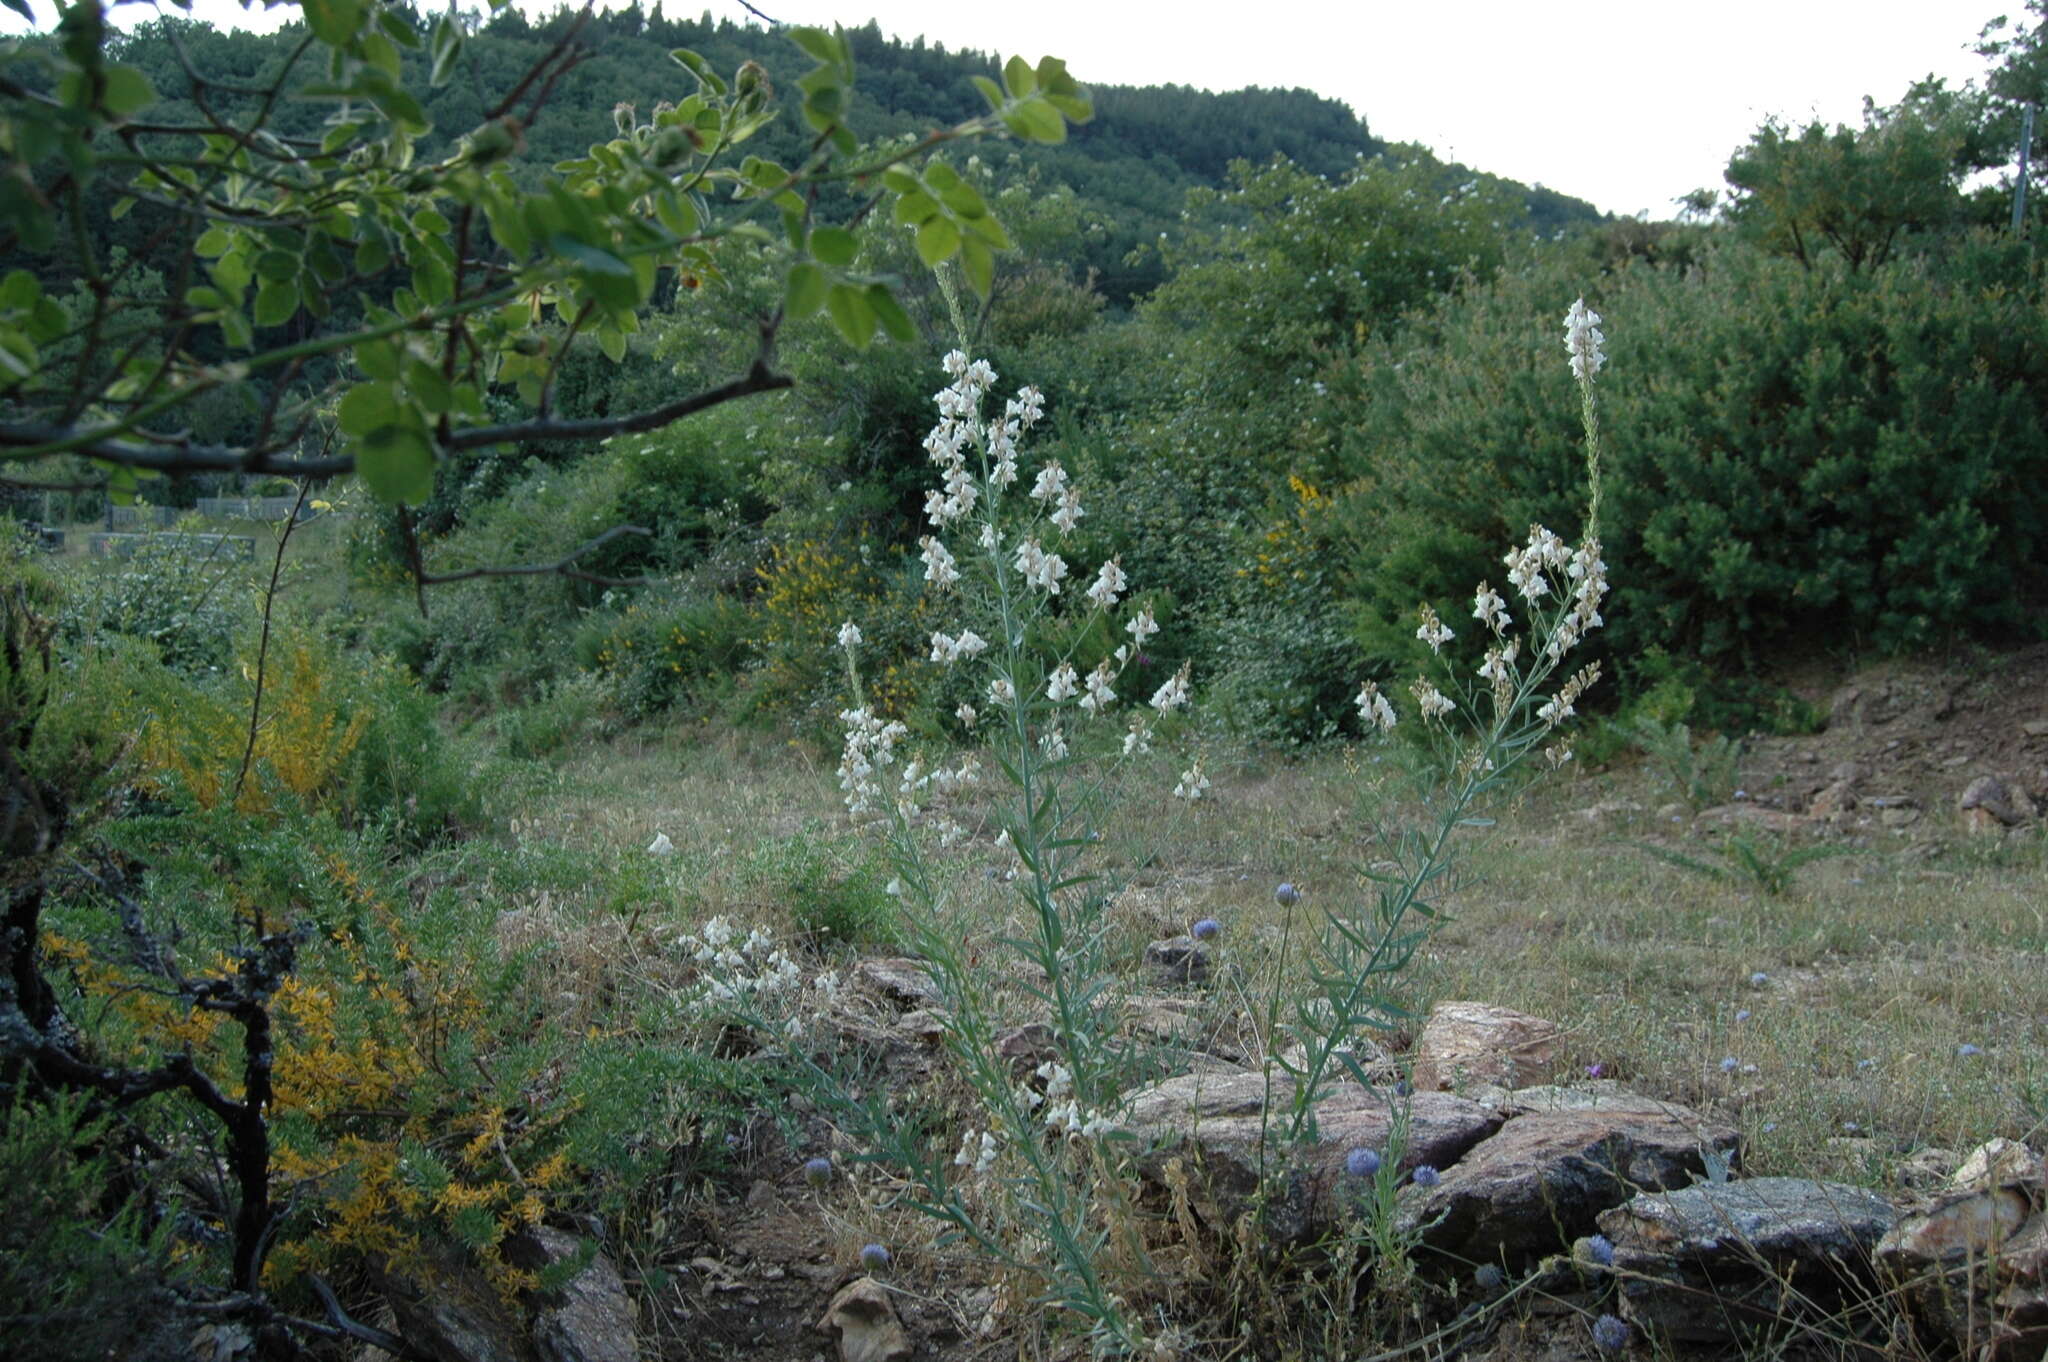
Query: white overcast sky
(1628,103)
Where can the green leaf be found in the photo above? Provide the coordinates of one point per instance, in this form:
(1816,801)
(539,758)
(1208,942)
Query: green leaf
(378,359)
(912,209)
(121,207)
(275,303)
(398,30)
(380,52)
(277,266)
(333,22)
(447,47)
(698,67)
(213,242)
(835,246)
(937,239)
(979,264)
(427,387)
(1037,121)
(895,321)
(851,314)
(128,91)
(990,91)
(805,292)
(393,456)
(612,341)
(610,280)
(19,289)
(820,45)
(900,181)
(1019,78)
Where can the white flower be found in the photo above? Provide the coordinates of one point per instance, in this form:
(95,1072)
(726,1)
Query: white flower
(1109,584)
(1069,513)
(1434,631)
(1433,703)
(966,715)
(1099,693)
(1051,483)
(939,568)
(1063,684)
(1026,407)
(661,846)
(1498,660)
(1054,743)
(1001,691)
(1174,693)
(1041,569)
(1138,740)
(1373,710)
(1555,711)
(849,635)
(1193,784)
(1143,627)
(1489,609)
(1583,338)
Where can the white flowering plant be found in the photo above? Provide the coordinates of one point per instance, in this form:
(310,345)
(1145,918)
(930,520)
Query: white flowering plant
(1038,1177)
(1488,724)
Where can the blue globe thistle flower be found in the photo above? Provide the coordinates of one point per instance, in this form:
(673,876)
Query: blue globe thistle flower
(1757,980)
(818,1172)
(1966,1051)
(1208,929)
(1426,1176)
(874,1257)
(1730,1064)
(1601,1249)
(1610,1333)
(1288,895)
(1489,1277)
(1362,1163)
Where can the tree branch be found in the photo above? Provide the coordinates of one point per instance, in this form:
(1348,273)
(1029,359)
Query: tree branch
(560,567)
(758,379)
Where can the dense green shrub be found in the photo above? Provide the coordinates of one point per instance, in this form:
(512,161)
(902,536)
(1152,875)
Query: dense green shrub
(1793,453)
(181,596)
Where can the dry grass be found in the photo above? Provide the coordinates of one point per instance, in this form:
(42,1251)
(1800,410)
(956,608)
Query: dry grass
(1878,966)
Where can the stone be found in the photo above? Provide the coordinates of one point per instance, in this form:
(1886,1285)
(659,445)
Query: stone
(1217,1125)
(1182,1022)
(863,1320)
(1928,1168)
(1466,1043)
(1833,801)
(590,1318)
(1177,960)
(2001,1163)
(898,980)
(2035,728)
(1753,815)
(1543,1178)
(1723,1262)
(1611,811)
(1988,795)
(1025,1047)
(1970,1267)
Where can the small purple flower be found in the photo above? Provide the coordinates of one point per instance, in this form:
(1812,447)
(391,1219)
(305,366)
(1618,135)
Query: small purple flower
(1288,895)
(874,1257)
(1730,1064)
(1426,1176)
(1610,1333)
(1757,980)
(1362,1163)
(1601,1249)
(1208,929)
(1742,1016)
(1965,1051)
(1595,1070)
(818,1172)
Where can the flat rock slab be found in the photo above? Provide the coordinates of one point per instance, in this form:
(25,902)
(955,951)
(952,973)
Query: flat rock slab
(1718,1262)
(1218,1122)
(1974,1268)
(1542,1179)
(899,981)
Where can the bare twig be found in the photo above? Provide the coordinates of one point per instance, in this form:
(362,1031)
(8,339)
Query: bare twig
(263,654)
(561,567)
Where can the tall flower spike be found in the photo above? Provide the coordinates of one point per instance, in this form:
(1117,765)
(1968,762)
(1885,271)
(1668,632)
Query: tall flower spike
(1582,337)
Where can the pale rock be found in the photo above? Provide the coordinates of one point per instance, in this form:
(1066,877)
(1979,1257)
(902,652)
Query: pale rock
(1025,1047)
(1833,802)
(864,1321)
(1994,803)
(2001,1163)
(899,980)
(661,845)
(1970,1267)
(1466,1043)
(590,1318)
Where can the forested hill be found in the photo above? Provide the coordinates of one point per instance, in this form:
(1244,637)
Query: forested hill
(1132,165)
